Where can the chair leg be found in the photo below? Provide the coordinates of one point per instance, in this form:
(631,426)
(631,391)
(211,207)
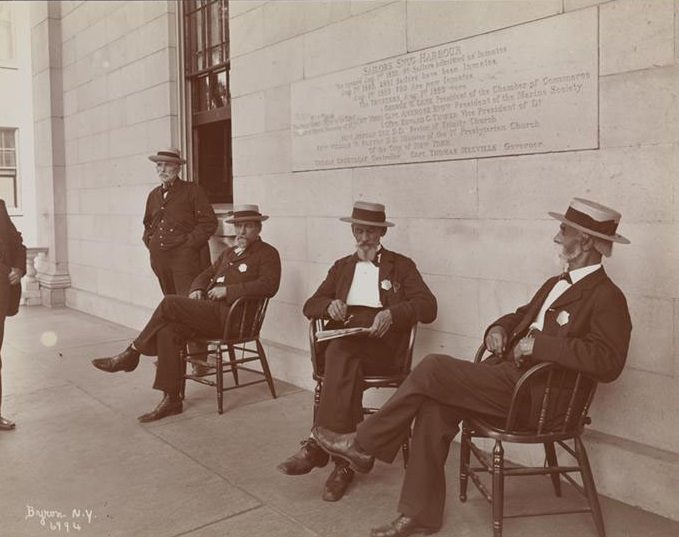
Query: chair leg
(552,462)
(405,447)
(590,487)
(498,488)
(317,398)
(265,368)
(234,365)
(182,380)
(220,380)
(465,453)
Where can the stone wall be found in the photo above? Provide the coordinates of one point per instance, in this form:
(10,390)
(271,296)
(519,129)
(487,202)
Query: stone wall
(119,105)
(17,112)
(478,228)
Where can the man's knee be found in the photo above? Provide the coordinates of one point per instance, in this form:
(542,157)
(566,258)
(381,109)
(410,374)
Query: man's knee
(168,305)
(432,363)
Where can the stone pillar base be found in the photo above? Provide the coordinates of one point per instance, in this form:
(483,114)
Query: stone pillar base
(53,289)
(53,298)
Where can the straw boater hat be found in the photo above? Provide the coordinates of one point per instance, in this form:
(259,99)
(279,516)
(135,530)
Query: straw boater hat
(245,213)
(171,154)
(592,218)
(369,214)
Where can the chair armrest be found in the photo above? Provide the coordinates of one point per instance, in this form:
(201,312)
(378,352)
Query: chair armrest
(479,353)
(518,388)
(245,308)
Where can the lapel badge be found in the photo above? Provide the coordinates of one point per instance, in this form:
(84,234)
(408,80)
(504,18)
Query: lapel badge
(385,284)
(563,317)
(242,267)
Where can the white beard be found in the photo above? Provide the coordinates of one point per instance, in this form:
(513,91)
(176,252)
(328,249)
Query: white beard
(563,257)
(366,253)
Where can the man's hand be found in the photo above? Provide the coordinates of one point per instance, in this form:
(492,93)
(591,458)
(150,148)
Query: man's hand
(217,293)
(522,350)
(196,295)
(337,310)
(15,276)
(496,340)
(381,323)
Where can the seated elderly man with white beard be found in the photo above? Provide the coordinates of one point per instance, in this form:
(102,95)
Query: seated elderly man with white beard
(373,288)
(578,320)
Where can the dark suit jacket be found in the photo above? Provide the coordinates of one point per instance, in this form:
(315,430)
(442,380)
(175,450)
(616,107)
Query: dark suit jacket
(183,216)
(256,272)
(12,254)
(596,337)
(407,296)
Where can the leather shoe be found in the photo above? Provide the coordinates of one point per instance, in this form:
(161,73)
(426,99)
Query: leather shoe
(337,483)
(344,446)
(6,425)
(128,360)
(309,456)
(401,527)
(167,407)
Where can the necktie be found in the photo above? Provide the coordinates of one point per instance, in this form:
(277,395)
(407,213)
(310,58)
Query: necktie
(566,276)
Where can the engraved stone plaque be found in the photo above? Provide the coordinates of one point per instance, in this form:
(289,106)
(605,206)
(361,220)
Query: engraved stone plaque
(532,88)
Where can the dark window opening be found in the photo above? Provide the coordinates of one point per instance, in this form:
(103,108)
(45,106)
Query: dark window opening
(206,71)
(8,167)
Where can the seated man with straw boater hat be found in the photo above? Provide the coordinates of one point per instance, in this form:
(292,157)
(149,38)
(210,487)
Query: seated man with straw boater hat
(249,268)
(373,287)
(578,320)
(178,223)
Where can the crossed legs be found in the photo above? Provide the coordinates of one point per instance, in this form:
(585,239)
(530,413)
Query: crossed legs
(439,392)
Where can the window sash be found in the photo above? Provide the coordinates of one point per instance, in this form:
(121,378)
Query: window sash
(205,23)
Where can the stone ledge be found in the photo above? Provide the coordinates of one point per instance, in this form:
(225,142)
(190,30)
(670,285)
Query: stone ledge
(635,473)
(130,315)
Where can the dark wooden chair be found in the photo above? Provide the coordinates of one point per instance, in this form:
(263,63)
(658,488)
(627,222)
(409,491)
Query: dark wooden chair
(549,406)
(392,379)
(239,345)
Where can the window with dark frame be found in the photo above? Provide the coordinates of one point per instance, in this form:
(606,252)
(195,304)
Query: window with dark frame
(208,103)
(8,167)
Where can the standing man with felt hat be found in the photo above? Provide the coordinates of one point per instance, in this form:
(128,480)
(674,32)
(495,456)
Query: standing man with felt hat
(250,268)
(373,287)
(12,269)
(178,223)
(578,319)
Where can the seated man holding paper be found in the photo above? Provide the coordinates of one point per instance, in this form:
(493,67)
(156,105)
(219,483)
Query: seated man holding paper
(373,288)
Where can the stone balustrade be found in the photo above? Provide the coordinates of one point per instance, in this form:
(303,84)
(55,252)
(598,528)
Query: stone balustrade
(31,286)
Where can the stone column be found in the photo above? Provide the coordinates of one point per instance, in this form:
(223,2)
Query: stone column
(46,48)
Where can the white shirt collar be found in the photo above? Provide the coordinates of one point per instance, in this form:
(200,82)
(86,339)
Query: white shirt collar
(578,274)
